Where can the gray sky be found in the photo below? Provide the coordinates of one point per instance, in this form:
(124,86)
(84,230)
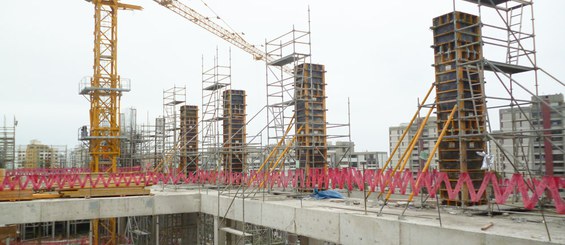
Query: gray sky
(376,52)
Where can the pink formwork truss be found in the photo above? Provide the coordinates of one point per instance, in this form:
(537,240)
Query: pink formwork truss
(530,189)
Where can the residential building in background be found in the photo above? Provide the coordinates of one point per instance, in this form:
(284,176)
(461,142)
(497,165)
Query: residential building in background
(521,136)
(421,150)
(79,157)
(343,154)
(37,155)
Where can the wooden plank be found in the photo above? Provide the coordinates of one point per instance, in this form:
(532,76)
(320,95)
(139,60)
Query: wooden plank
(105,192)
(46,195)
(16,195)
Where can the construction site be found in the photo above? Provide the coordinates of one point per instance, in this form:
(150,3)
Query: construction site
(221,164)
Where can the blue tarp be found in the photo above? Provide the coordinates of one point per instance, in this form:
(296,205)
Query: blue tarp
(326,194)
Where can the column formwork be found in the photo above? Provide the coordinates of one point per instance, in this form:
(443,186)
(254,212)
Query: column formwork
(234,130)
(310,109)
(188,138)
(457,49)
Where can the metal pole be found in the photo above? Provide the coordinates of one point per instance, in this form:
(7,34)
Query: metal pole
(349,142)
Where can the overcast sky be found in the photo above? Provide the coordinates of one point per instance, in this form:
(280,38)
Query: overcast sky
(376,52)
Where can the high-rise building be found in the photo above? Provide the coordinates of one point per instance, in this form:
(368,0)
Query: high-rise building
(37,155)
(342,154)
(422,148)
(532,137)
(79,157)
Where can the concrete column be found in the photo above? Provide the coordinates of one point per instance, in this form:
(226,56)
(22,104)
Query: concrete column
(304,240)
(89,233)
(122,226)
(219,236)
(157,230)
(312,241)
(190,221)
(292,238)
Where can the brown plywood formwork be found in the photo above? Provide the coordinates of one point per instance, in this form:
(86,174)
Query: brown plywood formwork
(457,40)
(234,133)
(188,138)
(310,109)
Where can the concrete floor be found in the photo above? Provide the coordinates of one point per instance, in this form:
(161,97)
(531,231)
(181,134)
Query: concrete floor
(340,222)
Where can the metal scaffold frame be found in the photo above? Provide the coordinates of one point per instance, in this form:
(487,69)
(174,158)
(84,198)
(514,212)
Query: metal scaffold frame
(509,41)
(215,81)
(497,45)
(173,99)
(149,140)
(130,146)
(8,145)
(288,50)
(298,95)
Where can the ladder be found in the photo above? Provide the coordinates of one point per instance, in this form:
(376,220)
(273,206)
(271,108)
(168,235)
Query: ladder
(515,18)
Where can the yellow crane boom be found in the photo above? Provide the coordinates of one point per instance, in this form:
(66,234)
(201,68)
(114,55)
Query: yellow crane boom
(216,29)
(204,22)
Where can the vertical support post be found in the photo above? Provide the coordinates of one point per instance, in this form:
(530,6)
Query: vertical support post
(219,236)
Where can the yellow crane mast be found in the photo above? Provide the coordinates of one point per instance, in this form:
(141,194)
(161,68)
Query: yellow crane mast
(105,87)
(104,94)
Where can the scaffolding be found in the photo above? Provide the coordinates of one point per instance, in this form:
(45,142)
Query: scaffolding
(288,50)
(173,99)
(495,43)
(71,231)
(151,136)
(215,81)
(8,145)
(300,95)
(131,144)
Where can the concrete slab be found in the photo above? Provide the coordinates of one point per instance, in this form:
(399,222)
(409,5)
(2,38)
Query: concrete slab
(361,229)
(419,234)
(207,204)
(334,222)
(317,223)
(280,217)
(85,209)
(253,212)
(19,212)
(178,202)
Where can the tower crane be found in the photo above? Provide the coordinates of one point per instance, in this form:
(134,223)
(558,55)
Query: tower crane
(216,29)
(104,93)
(106,87)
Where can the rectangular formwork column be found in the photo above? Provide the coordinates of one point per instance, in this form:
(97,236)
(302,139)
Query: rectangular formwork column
(456,46)
(188,138)
(310,109)
(234,132)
